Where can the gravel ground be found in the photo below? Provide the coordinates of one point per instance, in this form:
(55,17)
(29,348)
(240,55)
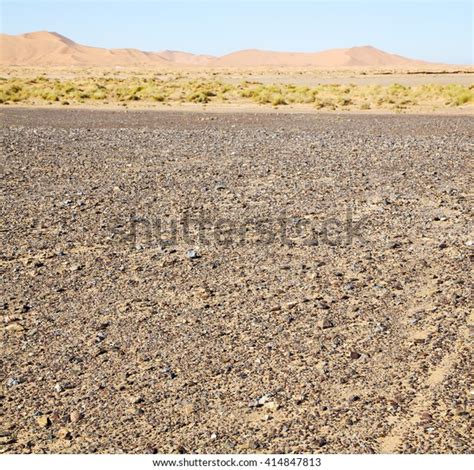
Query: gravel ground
(235,283)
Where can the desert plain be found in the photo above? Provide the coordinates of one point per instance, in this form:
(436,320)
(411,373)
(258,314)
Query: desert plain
(236,259)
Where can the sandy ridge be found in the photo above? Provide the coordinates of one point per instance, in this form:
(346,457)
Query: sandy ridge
(52,49)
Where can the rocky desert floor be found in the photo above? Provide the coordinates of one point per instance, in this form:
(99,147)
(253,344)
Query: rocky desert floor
(235,283)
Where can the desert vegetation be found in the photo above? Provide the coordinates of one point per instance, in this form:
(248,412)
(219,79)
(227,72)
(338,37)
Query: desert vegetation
(176,89)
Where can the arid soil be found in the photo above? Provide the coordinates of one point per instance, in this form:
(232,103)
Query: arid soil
(235,283)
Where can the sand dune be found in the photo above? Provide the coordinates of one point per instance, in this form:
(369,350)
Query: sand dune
(186,58)
(52,49)
(45,48)
(365,56)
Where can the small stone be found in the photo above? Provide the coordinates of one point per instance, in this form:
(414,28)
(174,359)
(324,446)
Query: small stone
(75,416)
(271,406)
(421,337)
(213,436)
(259,401)
(393,245)
(75,267)
(253,444)
(202,293)
(299,399)
(188,409)
(5,440)
(101,335)
(353,398)
(25,308)
(323,305)
(43,421)
(64,433)
(14,328)
(136,400)
(134,411)
(12,381)
(470,243)
(263,399)
(192,254)
(168,372)
(219,187)
(321,442)
(443,245)
(58,388)
(355,355)
(151,450)
(325,323)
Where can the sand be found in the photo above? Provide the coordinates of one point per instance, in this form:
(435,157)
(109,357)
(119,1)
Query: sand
(48,48)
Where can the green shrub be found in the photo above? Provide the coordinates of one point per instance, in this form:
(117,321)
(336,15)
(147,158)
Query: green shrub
(278,100)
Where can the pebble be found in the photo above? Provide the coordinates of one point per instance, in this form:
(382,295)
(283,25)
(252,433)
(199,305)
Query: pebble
(75,416)
(321,442)
(188,409)
(6,439)
(64,433)
(75,267)
(25,308)
(202,293)
(394,245)
(12,381)
(260,401)
(355,355)
(43,421)
(271,406)
(253,444)
(136,400)
(325,323)
(192,254)
(14,328)
(101,335)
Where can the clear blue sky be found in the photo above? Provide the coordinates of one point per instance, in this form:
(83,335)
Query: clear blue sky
(430,30)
